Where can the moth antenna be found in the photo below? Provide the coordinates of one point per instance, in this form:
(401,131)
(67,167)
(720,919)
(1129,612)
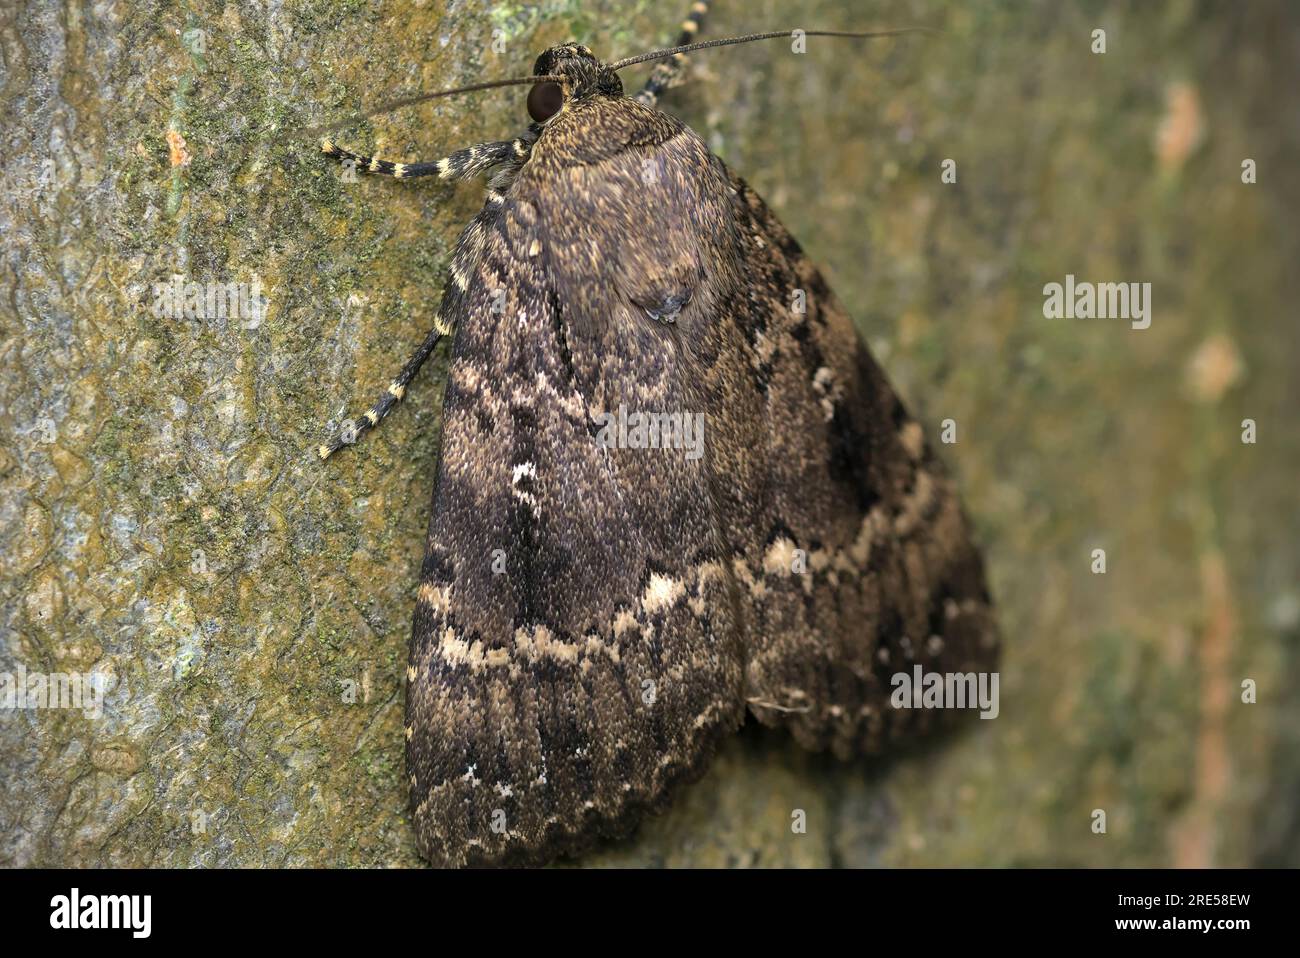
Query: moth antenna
(397,104)
(728,41)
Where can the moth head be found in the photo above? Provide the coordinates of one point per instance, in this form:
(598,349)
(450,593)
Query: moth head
(581,75)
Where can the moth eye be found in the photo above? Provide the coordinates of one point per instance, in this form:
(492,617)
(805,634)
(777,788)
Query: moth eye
(544,101)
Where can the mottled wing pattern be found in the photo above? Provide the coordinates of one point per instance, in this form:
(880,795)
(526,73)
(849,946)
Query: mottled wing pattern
(856,561)
(575,649)
(591,620)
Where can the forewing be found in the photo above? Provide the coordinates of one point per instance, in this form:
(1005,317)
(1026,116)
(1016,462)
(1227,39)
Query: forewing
(575,651)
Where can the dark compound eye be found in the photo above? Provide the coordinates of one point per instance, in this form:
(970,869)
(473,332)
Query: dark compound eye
(544,101)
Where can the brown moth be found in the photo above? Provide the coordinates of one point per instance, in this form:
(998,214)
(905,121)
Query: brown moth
(675,489)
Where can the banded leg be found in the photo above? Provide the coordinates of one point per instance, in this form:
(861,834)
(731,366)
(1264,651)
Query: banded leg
(351,432)
(461,165)
(463,261)
(507,156)
(665,74)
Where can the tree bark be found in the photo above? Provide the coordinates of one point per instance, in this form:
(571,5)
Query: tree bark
(165,527)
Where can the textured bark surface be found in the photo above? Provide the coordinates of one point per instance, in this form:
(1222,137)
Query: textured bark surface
(164,526)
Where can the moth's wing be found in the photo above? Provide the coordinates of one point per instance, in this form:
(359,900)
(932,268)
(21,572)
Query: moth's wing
(860,563)
(575,650)
(590,620)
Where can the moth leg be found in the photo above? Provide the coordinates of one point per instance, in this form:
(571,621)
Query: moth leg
(665,74)
(461,165)
(507,156)
(467,251)
(396,390)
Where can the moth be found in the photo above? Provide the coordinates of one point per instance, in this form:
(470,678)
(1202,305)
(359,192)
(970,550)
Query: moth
(603,598)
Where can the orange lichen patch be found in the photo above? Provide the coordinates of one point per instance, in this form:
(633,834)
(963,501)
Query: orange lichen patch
(180,154)
(1195,836)
(1182,128)
(1214,368)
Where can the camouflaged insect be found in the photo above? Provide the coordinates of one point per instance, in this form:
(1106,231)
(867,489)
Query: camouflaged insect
(593,618)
